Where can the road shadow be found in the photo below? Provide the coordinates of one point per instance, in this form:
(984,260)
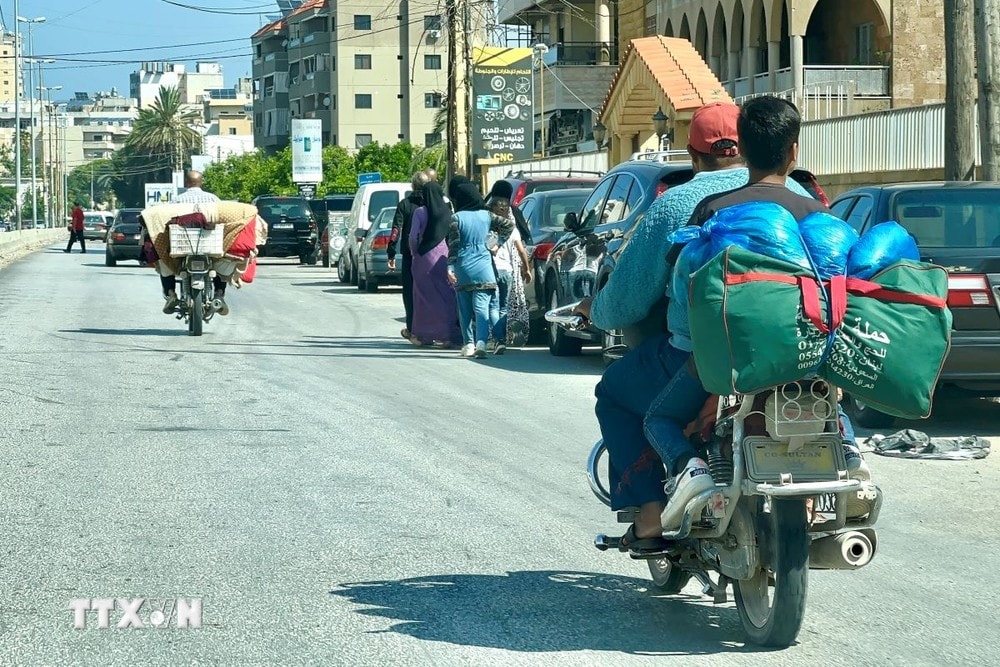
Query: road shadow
(327,283)
(953,415)
(549,611)
(128,332)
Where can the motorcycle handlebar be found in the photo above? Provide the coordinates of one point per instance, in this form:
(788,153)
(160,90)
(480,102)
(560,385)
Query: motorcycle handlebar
(565,317)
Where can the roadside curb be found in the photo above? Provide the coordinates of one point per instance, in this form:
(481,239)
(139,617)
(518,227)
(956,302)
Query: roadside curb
(15,245)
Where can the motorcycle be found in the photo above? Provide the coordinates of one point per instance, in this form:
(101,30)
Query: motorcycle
(196,293)
(785,501)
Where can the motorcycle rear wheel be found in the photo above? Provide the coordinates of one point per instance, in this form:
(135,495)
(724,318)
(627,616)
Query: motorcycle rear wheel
(195,320)
(775,620)
(667,577)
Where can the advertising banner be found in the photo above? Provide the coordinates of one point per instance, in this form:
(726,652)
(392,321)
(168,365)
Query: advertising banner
(503,103)
(307,150)
(160,193)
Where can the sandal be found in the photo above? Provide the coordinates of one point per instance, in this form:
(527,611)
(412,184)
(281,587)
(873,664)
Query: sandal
(643,545)
(416,342)
(405,333)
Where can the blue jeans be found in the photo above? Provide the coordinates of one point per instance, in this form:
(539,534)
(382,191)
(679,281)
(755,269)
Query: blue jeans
(644,402)
(474,315)
(498,307)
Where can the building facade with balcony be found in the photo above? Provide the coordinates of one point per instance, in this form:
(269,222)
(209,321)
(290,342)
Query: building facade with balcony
(573,75)
(832,57)
(369,71)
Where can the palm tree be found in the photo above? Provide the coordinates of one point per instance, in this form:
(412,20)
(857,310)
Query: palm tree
(166,128)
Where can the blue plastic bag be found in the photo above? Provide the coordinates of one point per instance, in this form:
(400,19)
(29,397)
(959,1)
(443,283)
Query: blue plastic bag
(880,247)
(765,228)
(829,240)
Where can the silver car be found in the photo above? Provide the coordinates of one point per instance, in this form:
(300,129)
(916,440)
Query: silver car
(373,265)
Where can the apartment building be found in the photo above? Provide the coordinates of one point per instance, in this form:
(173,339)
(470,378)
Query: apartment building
(145,83)
(574,70)
(371,70)
(7,69)
(229,111)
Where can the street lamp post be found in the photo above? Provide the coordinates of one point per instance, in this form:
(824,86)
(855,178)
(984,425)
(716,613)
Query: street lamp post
(50,182)
(17,117)
(31,104)
(661,125)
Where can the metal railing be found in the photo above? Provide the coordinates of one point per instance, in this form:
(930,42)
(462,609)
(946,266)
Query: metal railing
(867,81)
(582,53)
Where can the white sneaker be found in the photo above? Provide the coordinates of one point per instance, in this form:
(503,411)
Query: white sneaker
(468,350)
(480,350)
(860,502)
(694,479)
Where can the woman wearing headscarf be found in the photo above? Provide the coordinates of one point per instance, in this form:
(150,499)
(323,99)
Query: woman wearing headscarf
(470,263)
(434,303)
(504,190)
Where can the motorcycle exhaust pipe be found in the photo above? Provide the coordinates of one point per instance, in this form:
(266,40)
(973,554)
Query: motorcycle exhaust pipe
(844,551)
(216,304)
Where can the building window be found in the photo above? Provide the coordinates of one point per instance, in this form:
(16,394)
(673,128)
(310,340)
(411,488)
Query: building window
(362,61)
(432,100)
(432,139)
(362,140)
(864,52)
(432,62)
(432,22)
(362,22)
(363,101)
(232,130)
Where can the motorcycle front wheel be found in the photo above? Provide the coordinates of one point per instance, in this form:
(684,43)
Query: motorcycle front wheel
(773,616)
(195,320)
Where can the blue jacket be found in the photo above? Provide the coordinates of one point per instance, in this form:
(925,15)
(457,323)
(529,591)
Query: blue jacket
(641,273)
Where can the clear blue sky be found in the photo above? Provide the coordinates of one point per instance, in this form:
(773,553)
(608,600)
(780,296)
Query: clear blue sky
(74,26)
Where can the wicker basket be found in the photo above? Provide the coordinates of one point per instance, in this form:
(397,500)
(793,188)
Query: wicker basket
(195,241)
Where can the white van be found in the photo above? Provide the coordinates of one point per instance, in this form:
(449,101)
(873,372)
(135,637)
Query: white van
(369,200)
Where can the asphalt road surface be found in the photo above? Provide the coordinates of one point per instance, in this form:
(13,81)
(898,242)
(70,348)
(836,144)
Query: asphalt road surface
(335,496)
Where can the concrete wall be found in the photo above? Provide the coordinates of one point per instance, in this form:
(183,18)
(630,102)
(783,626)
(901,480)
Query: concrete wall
(918,52)
(14,245)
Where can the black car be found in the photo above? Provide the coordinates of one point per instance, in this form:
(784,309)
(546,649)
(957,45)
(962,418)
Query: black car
(291,228)
(957,226)
(615,205)
(123,237)
(545,213)
(335,209)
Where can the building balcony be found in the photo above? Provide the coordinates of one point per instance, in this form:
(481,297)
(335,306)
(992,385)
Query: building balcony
(313,83)
(582,54)
(817,80)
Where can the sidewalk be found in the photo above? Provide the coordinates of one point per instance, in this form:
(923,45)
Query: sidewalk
(15,245)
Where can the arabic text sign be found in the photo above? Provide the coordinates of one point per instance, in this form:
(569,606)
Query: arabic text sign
(503,102)
(307,150)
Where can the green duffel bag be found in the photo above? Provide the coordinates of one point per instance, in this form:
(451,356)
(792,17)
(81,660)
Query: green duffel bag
(893,340)
(748,327)
(758,322)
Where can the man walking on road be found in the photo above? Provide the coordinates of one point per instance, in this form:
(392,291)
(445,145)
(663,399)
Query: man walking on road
(401,222)
(76,229)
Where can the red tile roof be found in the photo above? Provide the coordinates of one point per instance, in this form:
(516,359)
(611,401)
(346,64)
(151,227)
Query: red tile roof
(307,5)
(274,26)
(676,67)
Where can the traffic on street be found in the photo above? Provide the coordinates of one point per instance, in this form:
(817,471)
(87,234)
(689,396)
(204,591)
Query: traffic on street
(331,494)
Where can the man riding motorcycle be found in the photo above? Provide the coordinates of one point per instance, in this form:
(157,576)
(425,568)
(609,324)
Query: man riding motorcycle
(645,400)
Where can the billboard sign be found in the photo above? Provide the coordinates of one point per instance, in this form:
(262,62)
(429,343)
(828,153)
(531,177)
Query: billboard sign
(503,102)
(370,178)
(307,150)
(160,193)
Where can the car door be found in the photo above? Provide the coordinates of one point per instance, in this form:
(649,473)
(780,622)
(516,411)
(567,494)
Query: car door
(861,212)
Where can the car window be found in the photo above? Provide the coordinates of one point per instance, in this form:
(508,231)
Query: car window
(550,186)
(381,199)
(617,205)
(861,212)
(527,208)
(92,217)
(950,218)
(290,208)
(340,204)
(841,208)
(558,207)
(594,207)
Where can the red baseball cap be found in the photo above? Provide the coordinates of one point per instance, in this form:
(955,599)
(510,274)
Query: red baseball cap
(713,123)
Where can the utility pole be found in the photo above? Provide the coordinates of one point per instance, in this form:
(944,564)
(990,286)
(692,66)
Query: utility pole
(452,95)
(17,114)
(960,92)
(987,44)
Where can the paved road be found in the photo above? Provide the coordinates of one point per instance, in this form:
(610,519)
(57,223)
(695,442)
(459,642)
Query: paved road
(338,497)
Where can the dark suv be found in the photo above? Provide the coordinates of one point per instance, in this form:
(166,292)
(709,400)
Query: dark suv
(525,183)
(957,226)
(291,228)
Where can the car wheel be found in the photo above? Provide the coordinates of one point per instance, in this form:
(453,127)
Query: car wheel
(561,345)
(326,261)
(866,416)
(354,272)
(109,259)
(343,275)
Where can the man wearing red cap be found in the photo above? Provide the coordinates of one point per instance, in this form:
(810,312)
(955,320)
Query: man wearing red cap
(657,378)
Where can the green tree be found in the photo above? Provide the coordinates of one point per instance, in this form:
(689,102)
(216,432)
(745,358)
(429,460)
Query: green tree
(397,162)
(99,172)
(166,129)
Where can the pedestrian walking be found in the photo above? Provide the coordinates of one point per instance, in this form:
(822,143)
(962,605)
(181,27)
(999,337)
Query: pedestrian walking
(76,230)
(510,260)
(435,309)
(470,263)
(401,222)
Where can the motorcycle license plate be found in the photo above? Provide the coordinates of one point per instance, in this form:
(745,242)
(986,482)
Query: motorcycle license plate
(818,461)
(284,225)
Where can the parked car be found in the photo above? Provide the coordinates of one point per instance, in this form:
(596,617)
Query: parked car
(957,226)
(525,183)
(373,269)
(95,225)
(545,213)
(368,202)
(123,242)
(291,228)
(574,266)
(331,219)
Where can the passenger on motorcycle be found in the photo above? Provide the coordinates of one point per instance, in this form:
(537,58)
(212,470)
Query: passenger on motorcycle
(645,400)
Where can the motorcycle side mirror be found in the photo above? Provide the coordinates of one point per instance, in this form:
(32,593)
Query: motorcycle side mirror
(360,234)
(571,222)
